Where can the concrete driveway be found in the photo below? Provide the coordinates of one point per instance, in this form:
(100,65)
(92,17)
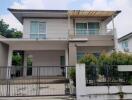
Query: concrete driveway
(33,89)
(39,98)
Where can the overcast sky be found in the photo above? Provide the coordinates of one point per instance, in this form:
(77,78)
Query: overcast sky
(123,21)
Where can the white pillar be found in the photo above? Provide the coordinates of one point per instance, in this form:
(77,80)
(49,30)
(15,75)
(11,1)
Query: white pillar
(66,60)
(115,40)
(80,80)
(10,52)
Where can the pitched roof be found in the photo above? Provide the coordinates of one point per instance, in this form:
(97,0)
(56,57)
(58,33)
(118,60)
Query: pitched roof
(125,37)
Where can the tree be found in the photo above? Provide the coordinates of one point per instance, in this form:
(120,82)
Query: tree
(3,27)
(88,59)
(17,34)
(9,33)
(17,59)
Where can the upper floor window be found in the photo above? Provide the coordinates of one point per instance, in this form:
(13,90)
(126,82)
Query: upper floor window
(37,30)
(125,44)
(89,28)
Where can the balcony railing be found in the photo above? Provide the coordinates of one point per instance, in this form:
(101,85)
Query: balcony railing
(37,36)
(89,32)
(65,34)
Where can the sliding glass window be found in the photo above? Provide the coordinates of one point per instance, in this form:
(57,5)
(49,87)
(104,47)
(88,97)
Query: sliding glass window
(37,30)
(81,28)
(90,28)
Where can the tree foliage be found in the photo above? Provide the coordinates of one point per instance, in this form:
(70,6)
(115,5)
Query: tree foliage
(17,59)
(7,32)
(88,59)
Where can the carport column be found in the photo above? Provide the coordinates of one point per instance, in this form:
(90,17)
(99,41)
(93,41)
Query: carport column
(72,54)
(66,60)
(10,52)
(25,65)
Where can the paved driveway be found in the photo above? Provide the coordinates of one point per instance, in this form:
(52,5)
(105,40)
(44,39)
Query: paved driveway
(33,89)
(39,98)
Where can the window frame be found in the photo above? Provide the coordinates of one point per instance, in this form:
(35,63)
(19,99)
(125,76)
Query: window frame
(87,25)
(123,44)
(38,26)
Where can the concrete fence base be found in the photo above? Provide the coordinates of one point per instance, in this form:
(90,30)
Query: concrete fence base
(84,92)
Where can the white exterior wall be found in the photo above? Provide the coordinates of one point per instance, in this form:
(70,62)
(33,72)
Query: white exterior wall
(130,44)
(46,59)
(84,92)
(55,28)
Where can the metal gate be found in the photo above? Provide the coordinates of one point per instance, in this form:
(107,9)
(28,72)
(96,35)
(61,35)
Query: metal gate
(34,81)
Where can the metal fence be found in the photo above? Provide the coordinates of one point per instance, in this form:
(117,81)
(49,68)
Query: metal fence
(106,75)
(34,81)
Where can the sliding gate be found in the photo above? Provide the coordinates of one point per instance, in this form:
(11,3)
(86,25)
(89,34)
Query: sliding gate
(34,81)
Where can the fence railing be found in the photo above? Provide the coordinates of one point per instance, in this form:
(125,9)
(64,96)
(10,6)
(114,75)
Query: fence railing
(34,81)
(106,75)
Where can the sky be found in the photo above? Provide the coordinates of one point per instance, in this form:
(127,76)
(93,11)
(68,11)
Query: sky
(123,22)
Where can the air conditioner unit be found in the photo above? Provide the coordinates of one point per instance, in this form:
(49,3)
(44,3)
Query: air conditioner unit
(126,50)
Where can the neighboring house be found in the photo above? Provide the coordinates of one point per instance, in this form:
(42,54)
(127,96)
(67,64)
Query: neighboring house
(125,43)
(61,37)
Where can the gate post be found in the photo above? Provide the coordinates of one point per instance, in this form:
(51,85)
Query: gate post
(80,80)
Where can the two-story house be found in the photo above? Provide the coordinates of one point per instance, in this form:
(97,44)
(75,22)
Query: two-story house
(61,37)
(125,43)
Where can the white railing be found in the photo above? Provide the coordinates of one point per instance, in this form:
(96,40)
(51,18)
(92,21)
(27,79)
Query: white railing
(37,36)
(87,32)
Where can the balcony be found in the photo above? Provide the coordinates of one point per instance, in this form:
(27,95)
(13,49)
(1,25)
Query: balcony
(92,37)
